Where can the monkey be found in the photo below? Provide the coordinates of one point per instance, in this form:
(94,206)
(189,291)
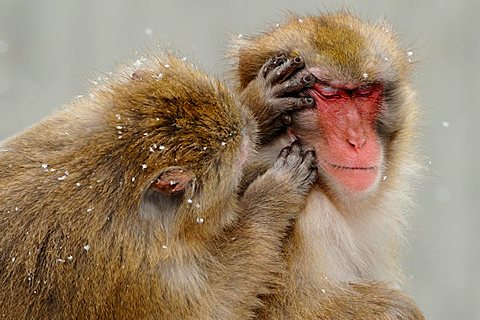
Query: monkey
(124,204)
(341,87)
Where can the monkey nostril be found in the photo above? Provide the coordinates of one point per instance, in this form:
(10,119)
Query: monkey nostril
(357,143)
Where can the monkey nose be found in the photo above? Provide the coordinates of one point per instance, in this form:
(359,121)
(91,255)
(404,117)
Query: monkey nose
(356,139)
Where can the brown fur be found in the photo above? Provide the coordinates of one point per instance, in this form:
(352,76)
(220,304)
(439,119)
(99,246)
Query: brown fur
(342,245)
(84,236)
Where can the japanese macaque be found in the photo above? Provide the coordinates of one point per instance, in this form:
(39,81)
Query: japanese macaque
(124,204)
(339,86)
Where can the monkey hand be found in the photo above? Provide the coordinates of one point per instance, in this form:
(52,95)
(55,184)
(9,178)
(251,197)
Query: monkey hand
(296,166)
(274,94)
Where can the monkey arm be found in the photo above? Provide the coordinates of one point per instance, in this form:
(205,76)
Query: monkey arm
(251,250)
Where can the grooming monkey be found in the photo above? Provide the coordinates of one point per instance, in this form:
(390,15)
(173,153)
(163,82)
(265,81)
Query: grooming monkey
(124,204)
(339,86)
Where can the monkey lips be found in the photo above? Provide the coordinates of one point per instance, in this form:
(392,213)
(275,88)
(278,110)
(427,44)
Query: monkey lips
(350,152)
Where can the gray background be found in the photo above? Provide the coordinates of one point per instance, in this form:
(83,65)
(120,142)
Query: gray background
(48,50)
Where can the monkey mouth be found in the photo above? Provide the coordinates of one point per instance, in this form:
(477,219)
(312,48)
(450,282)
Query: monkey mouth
(338,166)
(355,179)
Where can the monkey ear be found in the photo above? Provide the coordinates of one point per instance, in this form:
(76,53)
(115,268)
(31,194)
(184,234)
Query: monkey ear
(173,181)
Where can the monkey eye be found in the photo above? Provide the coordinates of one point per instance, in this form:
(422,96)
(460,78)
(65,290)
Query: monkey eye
(364,90)
(328,92)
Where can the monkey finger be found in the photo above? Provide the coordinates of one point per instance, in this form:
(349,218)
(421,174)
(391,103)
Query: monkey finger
(279,59)
(292,104)
(298,83)
(310,158)
(284,153)
(285,70)
(312,175)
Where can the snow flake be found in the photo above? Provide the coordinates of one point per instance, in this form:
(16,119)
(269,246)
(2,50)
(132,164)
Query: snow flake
(200,220)
(148,31)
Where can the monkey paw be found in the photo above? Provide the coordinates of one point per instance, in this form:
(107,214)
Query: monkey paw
(284,78)
(300,165)
(276,93)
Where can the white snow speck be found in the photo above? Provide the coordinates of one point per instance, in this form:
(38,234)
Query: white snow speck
(119,117)
(144,166)
(161,147)
(89,209)
(190,201)
(62,177)
(16,208)
(78,184)
(300,20)
(133,179)
(386,59)
(277,25)
(204,148)
(384,178)
(119,127)
(61,260)
(200,220)
(159,76)
(138,63)
(164,247)
(197,206)
(323,290)
(86,247)
(365,75)
(151,149)
(223,143)
(430,162)
(145,134)
(167,66)
(70,258)
(13,259)
(410,53)
(445,124)
(184,59)
(240,36)
(148,31)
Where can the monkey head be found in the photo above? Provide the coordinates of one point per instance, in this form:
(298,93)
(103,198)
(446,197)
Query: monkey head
(361,96)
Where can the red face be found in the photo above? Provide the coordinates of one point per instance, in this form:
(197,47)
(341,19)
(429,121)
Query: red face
(350,153)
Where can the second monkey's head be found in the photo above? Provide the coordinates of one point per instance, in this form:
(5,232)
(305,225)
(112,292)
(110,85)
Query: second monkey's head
(364,113)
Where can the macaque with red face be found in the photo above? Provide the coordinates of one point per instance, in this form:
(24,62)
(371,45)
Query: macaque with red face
(340,86)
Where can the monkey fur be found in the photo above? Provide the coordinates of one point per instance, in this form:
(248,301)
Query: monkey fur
(342,258)
(123,205)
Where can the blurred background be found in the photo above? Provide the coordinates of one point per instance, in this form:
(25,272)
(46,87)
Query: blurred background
(50,49)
